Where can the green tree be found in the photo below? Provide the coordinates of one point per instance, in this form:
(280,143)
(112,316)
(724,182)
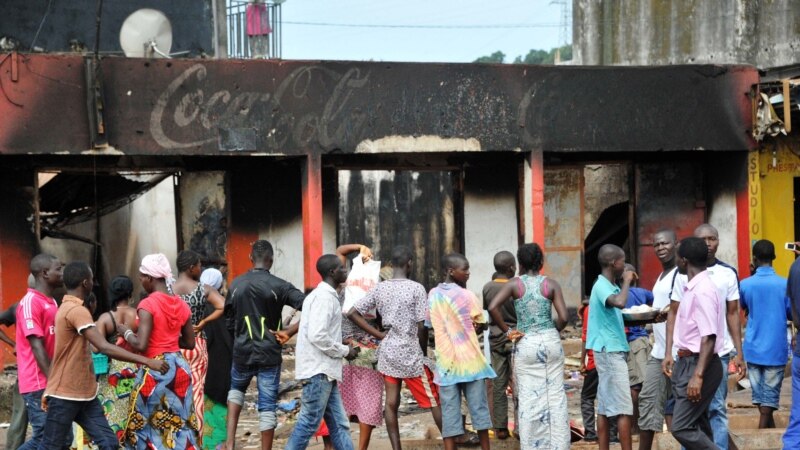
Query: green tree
(535,56)
(497,57)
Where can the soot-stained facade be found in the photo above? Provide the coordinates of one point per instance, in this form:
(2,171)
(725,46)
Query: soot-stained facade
(505,147)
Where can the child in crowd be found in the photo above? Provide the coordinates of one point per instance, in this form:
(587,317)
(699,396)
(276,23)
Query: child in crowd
(590,380)
(402,305)
(505,266)
(640,346)
(461,367)
(606,337)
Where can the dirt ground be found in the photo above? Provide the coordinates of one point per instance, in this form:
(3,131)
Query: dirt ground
(416,425)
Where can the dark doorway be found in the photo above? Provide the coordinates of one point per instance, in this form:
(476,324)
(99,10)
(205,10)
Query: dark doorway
(611,228)
(382,209)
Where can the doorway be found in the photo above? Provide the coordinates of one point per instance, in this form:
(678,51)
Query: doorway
(420,209)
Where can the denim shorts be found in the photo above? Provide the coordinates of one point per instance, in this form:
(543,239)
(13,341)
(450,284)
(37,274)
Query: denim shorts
(765,381)
(450,397)
(613,388)
(267,380)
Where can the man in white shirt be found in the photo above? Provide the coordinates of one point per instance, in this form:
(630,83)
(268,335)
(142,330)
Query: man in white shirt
(657,386)
(318,360)
(726,280)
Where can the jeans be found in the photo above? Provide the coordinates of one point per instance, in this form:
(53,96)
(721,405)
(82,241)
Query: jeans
(475,394)
(19,420)
(88,414)
(791,439)
(588,396)
(614,389)
(321,399)
(765,382)
(36,417)
(267,379)
(718,411)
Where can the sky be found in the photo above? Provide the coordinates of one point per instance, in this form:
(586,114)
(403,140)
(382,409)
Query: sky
(517,27)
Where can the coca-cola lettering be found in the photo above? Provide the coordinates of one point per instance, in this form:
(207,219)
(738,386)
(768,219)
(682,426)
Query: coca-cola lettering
(297,114)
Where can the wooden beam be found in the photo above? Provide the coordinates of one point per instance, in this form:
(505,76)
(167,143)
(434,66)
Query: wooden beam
(312,219)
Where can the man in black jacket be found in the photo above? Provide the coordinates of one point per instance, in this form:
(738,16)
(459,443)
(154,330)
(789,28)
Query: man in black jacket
(253,307)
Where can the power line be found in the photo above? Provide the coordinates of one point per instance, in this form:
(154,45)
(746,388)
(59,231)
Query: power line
(459,27)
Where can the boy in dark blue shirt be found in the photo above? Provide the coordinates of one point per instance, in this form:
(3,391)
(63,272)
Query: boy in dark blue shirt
(639,342)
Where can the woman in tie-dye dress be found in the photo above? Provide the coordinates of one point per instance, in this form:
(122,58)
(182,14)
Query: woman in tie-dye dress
(538,356)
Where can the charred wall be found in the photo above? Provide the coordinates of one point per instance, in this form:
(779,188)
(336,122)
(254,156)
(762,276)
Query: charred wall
(383,209)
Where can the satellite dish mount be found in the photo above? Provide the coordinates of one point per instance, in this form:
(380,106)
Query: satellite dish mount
(146,33)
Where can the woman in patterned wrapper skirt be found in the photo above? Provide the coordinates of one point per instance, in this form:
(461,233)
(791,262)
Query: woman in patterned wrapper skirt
(163,416)
(197,295)
(117,386)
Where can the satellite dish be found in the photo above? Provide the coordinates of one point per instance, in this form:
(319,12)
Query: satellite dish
(146,33)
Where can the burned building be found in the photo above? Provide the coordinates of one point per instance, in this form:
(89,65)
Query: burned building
(308,154)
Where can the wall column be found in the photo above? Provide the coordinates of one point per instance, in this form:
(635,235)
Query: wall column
(312,219)
(533,198)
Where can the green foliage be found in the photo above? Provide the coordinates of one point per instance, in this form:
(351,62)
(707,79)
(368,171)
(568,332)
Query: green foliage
(497,57)
(534,56)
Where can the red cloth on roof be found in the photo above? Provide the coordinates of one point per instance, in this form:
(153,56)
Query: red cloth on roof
(258,20)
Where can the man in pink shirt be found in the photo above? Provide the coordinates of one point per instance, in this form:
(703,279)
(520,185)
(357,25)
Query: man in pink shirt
(36,340)
(699,329)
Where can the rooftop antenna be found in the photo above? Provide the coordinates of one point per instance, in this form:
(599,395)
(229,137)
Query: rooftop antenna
(146,33)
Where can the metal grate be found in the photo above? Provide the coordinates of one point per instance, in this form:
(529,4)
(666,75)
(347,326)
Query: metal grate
(239,44)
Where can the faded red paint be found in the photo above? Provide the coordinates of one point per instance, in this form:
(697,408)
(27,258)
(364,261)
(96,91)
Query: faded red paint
(659,205)
(14,257)
(312,219)
(239,245)
(48,89)
(537,196)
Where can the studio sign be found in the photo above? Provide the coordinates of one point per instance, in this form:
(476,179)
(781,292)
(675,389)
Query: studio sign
(189,114)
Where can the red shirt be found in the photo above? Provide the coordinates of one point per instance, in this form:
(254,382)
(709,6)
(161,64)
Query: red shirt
(36,316)
(169,313)
(589,353)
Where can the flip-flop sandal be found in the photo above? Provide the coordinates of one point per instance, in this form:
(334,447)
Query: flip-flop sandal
(501,434)
(468,440)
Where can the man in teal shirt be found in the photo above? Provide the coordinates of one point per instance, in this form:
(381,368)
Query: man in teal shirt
(606,338)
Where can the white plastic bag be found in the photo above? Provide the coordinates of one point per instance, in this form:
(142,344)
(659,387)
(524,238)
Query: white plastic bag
(362,278)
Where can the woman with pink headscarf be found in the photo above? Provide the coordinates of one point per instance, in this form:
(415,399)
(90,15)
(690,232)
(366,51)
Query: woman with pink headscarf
(163,416)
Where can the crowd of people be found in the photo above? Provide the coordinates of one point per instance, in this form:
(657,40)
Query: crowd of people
(354,354)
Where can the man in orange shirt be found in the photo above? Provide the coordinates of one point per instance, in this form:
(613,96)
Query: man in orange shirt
(71,393)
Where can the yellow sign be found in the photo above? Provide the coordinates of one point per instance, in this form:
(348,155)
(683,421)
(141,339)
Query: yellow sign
(754,192)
